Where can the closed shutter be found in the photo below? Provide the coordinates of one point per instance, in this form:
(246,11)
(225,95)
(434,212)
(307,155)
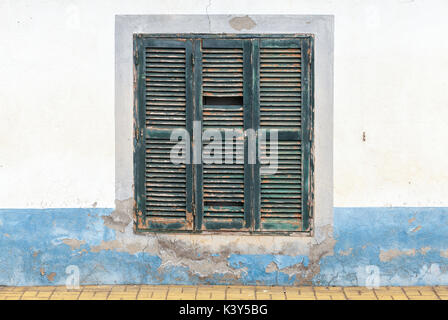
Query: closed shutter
(283,75)
(223,102)
(223,83)
(163,187)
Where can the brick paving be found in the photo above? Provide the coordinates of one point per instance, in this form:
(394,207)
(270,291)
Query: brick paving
(180,292)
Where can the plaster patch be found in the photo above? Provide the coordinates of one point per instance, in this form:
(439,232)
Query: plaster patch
(305,271)
(122,216)
(345,253)
(240,23)
(73,243)
(271,267)
(388,255)
(198,262)
(51,276)
(444,253)
(116,245)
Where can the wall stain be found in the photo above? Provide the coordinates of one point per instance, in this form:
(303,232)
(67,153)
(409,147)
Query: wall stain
(198,262)
(51,276)
(345,253)
(271,267)
(388,255)
(73,243)
(304,272)
(240,23)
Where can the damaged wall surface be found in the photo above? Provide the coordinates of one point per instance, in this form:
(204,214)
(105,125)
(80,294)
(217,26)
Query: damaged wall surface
(66,154)
(399,244)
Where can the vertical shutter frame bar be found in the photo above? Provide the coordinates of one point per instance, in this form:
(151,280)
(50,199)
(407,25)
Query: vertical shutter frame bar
(256,199)
(248,124)
(139,139)
(197,141)
(189,113)
(307,133)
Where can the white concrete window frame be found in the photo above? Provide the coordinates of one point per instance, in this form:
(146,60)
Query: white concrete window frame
(322,26)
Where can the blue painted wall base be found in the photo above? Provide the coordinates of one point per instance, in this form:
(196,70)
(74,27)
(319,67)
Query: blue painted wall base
(385,246)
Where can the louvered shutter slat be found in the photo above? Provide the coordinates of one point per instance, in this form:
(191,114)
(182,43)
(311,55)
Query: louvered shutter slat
(280,101)
(223,186)
(165,96)
(222,72)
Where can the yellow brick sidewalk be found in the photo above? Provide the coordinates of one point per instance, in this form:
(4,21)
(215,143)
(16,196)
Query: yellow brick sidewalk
(148,292)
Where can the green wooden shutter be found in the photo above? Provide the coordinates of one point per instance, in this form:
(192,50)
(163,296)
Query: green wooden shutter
(284,105)
(223,193)
(225,83)
(164,93)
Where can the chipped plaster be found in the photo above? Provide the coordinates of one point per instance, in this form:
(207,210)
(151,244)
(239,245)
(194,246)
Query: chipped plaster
(367,238)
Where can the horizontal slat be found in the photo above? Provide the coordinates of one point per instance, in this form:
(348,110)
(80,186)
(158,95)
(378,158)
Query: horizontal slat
(165,70)
(165,182)
(222,72)
(223,184)
(281,192)
(280,88)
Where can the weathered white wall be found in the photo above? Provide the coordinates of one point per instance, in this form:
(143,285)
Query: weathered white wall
(57,98)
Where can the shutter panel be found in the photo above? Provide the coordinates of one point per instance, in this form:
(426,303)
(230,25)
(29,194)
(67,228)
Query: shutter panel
(239,84)
(223,104)
(165,104)
(283,200)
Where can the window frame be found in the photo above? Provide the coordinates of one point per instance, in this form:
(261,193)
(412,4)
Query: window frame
(307,126)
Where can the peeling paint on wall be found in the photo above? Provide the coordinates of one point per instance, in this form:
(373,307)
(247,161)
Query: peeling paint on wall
(362,237)
(73,243)
(394,253)
(123,214)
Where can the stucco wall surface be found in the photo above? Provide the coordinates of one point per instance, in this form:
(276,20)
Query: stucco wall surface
(57,124)
(65,186)
(398,245)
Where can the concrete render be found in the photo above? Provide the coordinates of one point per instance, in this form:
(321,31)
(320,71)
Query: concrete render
(349,246)
(403,246)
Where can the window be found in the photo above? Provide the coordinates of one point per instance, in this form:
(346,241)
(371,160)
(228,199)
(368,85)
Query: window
(206,90)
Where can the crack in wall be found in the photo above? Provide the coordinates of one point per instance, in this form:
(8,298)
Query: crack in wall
(208,16)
